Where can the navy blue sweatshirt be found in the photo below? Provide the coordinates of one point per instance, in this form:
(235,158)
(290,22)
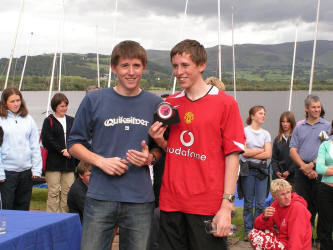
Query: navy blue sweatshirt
(115,124)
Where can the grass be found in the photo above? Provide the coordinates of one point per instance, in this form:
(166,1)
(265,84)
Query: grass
(39,196)
(38,199)
(238,221)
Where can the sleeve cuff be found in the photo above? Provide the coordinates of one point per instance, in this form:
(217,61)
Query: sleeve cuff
(2,175)
(36,173)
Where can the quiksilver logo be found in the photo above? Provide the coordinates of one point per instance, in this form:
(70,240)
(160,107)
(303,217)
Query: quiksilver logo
(125,120)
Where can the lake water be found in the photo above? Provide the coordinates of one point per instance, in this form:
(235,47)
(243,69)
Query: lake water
(275,103)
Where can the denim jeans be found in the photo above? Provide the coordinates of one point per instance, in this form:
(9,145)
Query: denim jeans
(101,217)
(254,192)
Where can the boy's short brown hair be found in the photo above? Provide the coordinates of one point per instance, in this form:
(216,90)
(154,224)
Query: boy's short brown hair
(83,167)
(196,51)
(128,49)
(57,99)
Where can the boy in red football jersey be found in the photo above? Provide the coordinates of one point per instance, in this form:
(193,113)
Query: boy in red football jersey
(202,150)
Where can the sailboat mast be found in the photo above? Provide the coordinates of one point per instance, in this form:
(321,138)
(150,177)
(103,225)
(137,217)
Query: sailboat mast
(13,49)
(219,39)
(233,52)
(60,65)
(314,49)
(97,59)
(292,73)
(113,38)
(180,37)
(25,61)
(62,44)
(51,84)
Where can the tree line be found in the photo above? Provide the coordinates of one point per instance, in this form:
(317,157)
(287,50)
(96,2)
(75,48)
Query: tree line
(78,83)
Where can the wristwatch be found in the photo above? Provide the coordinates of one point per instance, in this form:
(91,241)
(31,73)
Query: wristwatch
(229,197)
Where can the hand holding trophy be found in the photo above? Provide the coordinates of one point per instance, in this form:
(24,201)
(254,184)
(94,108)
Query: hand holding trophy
(166,113)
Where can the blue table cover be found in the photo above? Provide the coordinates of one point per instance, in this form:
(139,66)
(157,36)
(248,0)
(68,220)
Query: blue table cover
(29,230)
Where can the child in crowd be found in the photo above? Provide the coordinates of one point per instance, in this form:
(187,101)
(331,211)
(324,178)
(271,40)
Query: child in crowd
(77,193)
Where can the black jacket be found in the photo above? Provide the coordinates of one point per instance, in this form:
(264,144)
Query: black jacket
(76,197)
(158,173)
(281,161)
(53,140)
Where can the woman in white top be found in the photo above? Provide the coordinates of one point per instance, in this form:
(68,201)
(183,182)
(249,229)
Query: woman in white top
(253,161)
(60,165)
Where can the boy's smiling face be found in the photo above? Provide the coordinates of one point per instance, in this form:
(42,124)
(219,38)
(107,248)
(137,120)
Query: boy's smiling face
(129,72)
(186,71)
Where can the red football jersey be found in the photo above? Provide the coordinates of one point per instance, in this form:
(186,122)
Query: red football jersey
(210,128)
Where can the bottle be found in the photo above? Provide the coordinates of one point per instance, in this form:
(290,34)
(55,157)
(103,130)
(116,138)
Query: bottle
(2,219)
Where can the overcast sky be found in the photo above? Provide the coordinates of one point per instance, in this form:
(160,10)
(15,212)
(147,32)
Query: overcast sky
(156,24)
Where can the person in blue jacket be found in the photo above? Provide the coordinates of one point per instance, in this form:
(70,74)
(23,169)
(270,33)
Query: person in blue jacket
(116,120)
(20,156)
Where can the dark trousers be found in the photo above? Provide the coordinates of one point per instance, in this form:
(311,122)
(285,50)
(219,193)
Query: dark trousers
(326,216)
(16,190)
(155,231)
(180,231)
(309,190)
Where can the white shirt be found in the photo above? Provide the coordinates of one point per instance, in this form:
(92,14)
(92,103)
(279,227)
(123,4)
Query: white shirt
(255,139)
(63,123)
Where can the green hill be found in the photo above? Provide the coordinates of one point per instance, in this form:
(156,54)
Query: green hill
(259,67)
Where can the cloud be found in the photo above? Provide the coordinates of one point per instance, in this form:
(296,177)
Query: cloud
(156,23)
(263,11)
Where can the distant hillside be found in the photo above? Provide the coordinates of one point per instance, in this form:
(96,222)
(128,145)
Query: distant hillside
(266,62)
(256,66)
